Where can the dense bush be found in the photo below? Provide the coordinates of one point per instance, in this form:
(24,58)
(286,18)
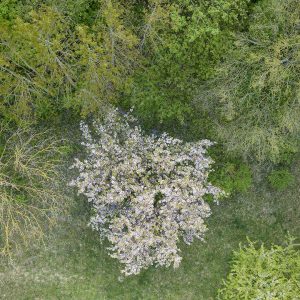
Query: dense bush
(261,273)
(232,177)
(254,101)
(146,191)
(281,179)
(77,11)
(31,195)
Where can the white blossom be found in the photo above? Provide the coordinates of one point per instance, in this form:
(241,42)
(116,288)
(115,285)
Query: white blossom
(146,191)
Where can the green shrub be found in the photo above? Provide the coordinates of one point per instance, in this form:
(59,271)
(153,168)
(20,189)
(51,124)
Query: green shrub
(281,179)
(77,11)
(8,9)
(261,273)
(232,177)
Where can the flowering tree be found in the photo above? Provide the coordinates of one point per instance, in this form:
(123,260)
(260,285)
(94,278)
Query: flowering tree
(146,191)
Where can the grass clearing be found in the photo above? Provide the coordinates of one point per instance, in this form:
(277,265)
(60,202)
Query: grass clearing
(75,266)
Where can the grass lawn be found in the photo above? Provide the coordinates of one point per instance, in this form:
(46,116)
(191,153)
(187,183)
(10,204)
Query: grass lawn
(74,265)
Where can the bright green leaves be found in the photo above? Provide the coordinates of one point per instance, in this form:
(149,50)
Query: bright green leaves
(262,273)
(7,9)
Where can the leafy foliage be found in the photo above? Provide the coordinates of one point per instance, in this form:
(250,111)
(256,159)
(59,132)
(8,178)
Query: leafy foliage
(74,57)
(7,9)
(48,66)
(182,42)
(232,177)
(281,179)
(146,191)
(261,273)
(255,97)
(34,73)
(150,55)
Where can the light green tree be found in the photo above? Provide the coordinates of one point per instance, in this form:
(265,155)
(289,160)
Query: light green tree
(35,65)
(49,65)
(255,98)
(108,56)
(262,273)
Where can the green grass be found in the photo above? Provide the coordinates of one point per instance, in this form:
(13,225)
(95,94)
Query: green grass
(75,266)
